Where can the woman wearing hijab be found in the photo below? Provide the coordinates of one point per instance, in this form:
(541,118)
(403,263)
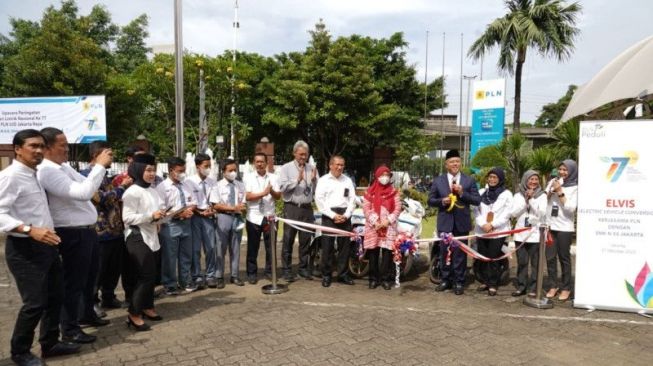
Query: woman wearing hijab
(529,207)
(561,213)
(141,211)
(381,206)
(492,215)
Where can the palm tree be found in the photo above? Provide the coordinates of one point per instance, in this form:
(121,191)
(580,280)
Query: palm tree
(567,137)
(548,26)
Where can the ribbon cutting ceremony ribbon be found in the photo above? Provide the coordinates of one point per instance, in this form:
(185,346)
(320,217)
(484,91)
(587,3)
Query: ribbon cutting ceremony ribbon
(325,229)
(453,199)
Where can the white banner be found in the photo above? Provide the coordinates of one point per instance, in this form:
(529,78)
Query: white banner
(615,216)
(82,118)
(489,94)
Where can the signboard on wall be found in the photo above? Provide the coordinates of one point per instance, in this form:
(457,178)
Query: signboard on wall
(614,252)
(488,113)
(81,118)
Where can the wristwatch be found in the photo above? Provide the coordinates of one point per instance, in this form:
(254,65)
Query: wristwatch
(26,229)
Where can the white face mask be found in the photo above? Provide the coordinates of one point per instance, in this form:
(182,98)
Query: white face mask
(205,172)
(181,177)
(231,175)
(384,180)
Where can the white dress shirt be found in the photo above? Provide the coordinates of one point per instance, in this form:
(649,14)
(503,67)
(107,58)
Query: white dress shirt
(220,193)
(138,204)
(452,177)
(204,189)
(69,193)
(335,192)
(256,183)
(501,209)
(535,211)
(22,199)
(171,197)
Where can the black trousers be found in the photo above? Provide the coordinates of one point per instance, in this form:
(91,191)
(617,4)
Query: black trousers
(454,273)
(299,214)
(385,272)
(36,267)
(79,254)
(143,264)
(344,251)
(560,250)
(111,257)
(528,253)
(254,233)
(490,248)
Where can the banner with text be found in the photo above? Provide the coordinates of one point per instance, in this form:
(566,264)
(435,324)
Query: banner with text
(488,113)
(82,118)
(615,216)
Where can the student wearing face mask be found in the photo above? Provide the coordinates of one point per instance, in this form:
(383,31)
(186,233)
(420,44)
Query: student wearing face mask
(381,206)
(179,200)
(228,199)
(203,223)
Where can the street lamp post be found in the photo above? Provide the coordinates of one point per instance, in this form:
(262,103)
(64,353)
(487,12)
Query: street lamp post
(468,132)
(179,82)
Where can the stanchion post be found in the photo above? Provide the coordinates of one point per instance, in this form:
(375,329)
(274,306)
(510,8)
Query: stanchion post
(273,288)
(540,301)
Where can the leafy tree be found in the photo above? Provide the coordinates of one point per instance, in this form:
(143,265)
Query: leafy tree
(567,137)
(552,112)
(131,49)
(547,26)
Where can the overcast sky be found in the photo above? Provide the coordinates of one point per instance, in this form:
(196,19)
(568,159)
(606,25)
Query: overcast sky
(269,27)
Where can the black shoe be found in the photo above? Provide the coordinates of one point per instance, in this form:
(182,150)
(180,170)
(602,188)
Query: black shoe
(443,286)
(482,288)
(79,337)
(289,278)
(139,328)
(201,285)
(373,285)
(346,280)
(61,349)
(252,280)
(212,283)
(236,281)
(112,303)
(94,322)
(27,359)
(459,290)
(386,285)
(305,275)
(220,283)
(326,281)
(519,292)
(172,292)
(155,318)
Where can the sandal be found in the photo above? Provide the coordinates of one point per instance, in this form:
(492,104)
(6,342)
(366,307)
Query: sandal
(564,295)
(552,293)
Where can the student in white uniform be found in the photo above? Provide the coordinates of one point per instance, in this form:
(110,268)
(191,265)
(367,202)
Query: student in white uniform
(492,215)
(528,207)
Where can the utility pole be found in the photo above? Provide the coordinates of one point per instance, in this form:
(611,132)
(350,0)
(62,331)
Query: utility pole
(204,128)
(468,132)
(232,137)
(426,85)
(179,82)
(442,109)
(460,117)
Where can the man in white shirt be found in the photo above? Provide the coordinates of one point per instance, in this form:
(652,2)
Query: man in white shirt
(178,196)
(335,196)
(262,189)
(203,223)
(31,252)
(74,216)
(228,200)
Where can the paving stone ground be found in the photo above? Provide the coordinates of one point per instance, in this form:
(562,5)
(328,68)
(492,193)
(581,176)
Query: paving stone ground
(352,325)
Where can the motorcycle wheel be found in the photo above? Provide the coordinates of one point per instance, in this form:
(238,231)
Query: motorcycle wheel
(358,267)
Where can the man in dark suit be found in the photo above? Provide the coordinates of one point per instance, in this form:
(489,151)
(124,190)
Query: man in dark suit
(455,220)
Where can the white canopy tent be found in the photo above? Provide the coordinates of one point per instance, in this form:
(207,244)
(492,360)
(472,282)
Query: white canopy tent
(627,77)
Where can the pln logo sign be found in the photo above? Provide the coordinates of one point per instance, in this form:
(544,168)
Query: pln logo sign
(642,290)
(622,164)
(486,94)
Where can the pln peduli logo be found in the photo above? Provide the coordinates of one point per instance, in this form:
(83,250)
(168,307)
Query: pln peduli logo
(642,290)
(621,166)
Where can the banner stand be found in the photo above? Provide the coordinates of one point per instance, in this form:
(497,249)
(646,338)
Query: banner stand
(540,301)
(273,288)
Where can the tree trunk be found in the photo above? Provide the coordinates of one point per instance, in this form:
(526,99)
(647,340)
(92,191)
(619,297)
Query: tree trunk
(521,58)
